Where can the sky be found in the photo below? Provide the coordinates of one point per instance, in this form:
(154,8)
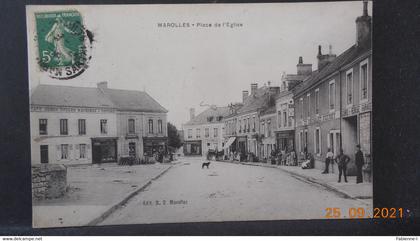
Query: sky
(183,67)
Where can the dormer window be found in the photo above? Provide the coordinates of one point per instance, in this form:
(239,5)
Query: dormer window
(210,118)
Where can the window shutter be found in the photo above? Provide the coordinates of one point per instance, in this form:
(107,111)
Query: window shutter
(58,152)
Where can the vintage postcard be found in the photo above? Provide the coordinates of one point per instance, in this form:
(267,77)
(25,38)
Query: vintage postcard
(200,112)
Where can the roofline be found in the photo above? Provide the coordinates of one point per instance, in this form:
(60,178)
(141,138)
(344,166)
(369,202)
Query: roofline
(301,92)
(97,107)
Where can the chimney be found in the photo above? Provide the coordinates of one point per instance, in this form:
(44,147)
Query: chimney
(192,113)
(245,94)
(102,85)
(303,69)
(254,87)
(324,59)
(363,27)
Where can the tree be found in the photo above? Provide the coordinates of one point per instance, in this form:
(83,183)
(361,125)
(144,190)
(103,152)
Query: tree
(174,140)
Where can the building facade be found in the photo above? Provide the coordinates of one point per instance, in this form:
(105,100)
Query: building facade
(141,122)
(333,105)
(243,124)
(204,132)
(268,124)
(71,125)
(75,125)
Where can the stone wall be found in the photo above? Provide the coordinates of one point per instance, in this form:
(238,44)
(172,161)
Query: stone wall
(48,181)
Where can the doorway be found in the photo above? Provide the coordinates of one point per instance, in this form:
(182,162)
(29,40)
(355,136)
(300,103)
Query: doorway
(44,153)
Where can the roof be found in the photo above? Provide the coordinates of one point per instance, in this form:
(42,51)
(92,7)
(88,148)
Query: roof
(209,116)
(57,95)
(340,61)
(256,102)
(131,100)
(270,110)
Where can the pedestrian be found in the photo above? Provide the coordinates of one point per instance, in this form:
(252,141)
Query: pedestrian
(360,161)
(328,160)
(342,161)
(293,157)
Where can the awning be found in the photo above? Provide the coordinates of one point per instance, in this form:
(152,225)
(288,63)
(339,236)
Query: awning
(229,142)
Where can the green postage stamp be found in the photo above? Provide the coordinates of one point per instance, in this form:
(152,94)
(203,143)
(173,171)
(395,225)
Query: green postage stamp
(63,43)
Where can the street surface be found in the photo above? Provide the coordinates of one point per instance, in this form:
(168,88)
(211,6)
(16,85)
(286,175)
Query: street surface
(229,192)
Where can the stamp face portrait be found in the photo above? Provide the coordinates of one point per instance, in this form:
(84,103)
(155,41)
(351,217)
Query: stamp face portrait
(62,43)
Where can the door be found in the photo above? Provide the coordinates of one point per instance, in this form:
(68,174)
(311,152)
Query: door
(96,152)
(132,149)
(44,153)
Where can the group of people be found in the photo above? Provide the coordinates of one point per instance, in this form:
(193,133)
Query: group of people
(283,157)
(342,161)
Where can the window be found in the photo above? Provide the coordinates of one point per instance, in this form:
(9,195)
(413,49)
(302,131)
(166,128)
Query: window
(317,101)
(331,94)
(206,132)
(82,151)
(309,105)
(197,133)
(240,126)
(104,128)
(44,153)
(364,80)
(215,130)
(64,151)
(317,136)
(150,126)
(285,118)
(248,124)
(301,141)
(43,127)
(63,127)
(253,123)
(301,108)
(82,126)
(349,87)
(131,126)
(279,118)
(269,128)
(189,133)
(263,128)
(160,127)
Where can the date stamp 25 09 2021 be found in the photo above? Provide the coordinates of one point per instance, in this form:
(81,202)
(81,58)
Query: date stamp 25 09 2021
(64,44)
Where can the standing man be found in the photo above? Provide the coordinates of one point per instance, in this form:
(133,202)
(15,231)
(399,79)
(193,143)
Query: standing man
(342,161)
(360,161)
(328,160)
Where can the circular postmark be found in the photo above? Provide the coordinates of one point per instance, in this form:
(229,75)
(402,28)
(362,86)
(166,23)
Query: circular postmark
(64,44)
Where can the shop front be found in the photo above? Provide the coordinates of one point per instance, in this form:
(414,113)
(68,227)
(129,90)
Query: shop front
(153,145)
(192,148)
(104,149)
(285,140)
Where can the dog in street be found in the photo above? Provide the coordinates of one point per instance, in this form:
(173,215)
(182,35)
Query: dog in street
(205,164)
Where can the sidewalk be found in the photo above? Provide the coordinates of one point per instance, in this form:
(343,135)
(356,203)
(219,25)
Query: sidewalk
(362,191)
(94,191)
